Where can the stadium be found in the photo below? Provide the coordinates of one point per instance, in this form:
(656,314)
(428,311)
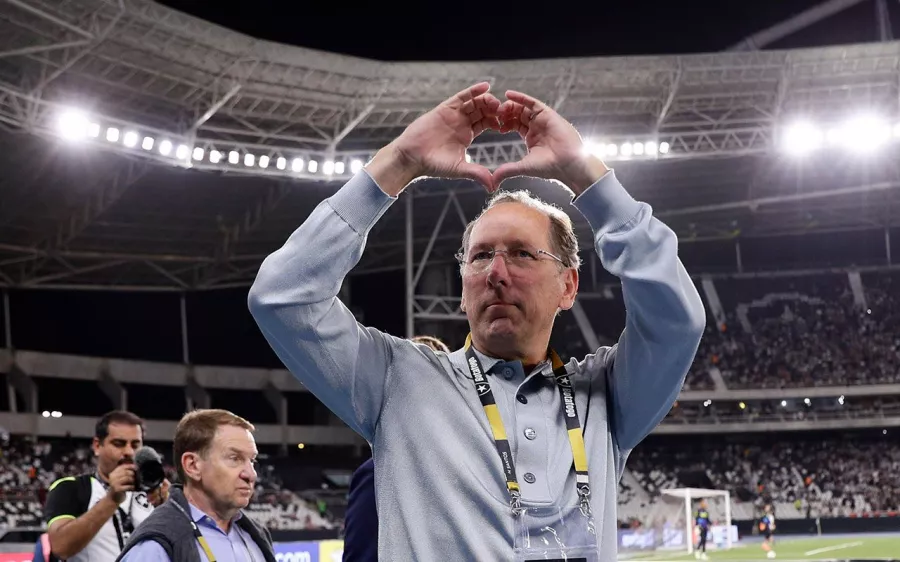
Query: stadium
(152,160)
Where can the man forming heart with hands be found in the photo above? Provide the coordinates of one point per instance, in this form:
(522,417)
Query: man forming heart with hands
(498,450)
(435,144)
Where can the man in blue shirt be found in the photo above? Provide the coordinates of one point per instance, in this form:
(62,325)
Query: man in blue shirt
(215,456)
(477,451)
(361,518)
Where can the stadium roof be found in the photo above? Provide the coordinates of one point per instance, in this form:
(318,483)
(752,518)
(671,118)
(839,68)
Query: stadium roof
(99,213)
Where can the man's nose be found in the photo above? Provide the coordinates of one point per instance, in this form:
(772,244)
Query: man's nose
(498,271)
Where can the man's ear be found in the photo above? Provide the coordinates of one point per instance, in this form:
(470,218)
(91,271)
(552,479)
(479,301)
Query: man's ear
(569,281)
(191,464)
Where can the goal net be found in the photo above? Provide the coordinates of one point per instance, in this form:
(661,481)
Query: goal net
(669,523)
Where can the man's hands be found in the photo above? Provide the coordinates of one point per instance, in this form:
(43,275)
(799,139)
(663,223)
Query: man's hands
(121,481)
(435,144)
(555,149)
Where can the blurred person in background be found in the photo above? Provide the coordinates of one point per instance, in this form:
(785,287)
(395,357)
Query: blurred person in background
(90,517)
(215,456)
(361,518)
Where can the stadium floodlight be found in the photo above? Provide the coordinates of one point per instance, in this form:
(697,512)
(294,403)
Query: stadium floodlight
(46,413)
(281,163)
(339,168)
(215,156)
(626,149)
(663,147)
(165,147)
(784,403)
(198,153)
(312,166)
(865,133)
(328,167)
(249,159)
(130,139)
(651,148)
(234,157)
(263,161)
(112,134)
(147,144)
(74,125)
(802,137)
(356,166)
(182,152)
(637,149)
(612,149)
(297,165)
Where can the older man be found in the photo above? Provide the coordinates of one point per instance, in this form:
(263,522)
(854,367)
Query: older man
(497,451)
(215,456)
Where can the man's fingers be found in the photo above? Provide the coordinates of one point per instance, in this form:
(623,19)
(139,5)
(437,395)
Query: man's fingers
(470,93)
(524,99)
(476,173)
(504,172)
(484,124)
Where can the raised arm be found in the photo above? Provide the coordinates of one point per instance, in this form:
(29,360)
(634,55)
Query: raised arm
(665,316)
(294,298)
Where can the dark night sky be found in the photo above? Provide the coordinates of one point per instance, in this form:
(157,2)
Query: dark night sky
(221,329)
(465,31)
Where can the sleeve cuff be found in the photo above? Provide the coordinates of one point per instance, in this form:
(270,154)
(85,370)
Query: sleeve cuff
(361,202)
(606,205)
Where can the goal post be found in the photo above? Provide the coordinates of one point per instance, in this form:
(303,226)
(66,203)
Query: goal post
(723,534)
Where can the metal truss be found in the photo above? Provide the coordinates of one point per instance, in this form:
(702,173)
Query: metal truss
(135,64)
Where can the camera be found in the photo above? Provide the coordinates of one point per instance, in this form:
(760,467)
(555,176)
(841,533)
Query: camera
(149,473)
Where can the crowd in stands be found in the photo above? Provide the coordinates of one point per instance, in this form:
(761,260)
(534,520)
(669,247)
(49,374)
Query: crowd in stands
(29,467)
(803,332)
(817,476)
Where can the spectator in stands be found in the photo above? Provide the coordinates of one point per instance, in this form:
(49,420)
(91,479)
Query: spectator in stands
(215,456)
(90,516)
(438,478)
(361,519)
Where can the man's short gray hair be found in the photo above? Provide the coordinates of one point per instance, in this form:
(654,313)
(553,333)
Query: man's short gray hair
(563,241)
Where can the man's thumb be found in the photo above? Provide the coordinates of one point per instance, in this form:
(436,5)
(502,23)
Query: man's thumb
(476,173)
(506,171)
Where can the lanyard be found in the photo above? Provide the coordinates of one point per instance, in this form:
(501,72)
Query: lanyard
(197,534)
(121,520)
(202,540)
(570,414)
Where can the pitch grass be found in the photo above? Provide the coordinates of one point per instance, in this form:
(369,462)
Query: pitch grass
(847,547)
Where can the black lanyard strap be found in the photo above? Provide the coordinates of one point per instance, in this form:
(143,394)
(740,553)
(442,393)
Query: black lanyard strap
(570,414)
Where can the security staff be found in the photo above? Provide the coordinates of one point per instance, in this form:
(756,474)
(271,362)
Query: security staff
(91,516)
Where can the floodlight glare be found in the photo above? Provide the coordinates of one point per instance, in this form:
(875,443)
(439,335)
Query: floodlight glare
(865,133)
(338,168)
(802,138)
(281,163)
(356,166)
(328,167)
(73,125)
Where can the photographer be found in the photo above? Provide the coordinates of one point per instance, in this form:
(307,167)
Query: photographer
(91,516)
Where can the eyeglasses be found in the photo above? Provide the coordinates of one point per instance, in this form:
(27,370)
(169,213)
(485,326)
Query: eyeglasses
(519,258)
